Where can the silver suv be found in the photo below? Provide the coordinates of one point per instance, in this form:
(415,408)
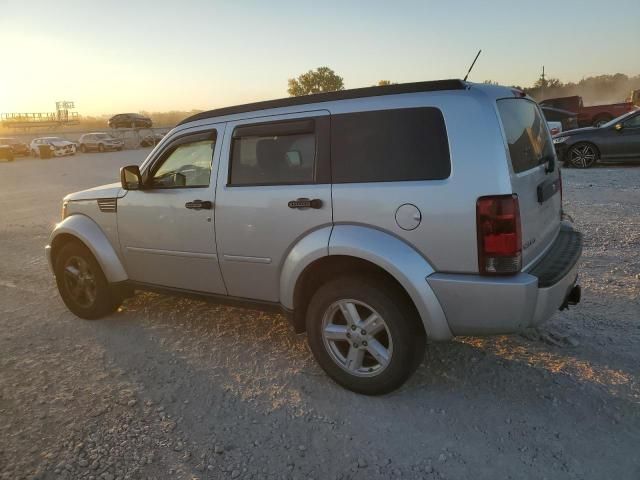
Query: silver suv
(375,219)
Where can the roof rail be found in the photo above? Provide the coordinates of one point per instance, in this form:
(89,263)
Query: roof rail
(332,96)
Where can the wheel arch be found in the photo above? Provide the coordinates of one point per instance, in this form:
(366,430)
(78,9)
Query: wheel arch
(357,249)
(84,230)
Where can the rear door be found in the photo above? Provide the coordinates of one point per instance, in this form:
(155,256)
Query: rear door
(273,189)
(531,152)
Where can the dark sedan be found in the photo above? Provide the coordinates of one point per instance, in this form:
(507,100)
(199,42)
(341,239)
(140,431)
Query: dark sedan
(614,142)
(130,120)
(17,147)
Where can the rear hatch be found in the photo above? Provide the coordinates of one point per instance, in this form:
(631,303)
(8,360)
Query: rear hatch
(532,155)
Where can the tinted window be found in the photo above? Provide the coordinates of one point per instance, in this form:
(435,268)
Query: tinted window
(273,159)
(526,133)
(188,165)
(633,122)
(389,145)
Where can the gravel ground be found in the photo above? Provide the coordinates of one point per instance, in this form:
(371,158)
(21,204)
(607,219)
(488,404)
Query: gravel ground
(175,388)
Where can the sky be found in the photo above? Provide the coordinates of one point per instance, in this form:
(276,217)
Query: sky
(113,56)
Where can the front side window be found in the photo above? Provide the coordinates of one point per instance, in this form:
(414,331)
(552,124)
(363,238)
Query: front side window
(633,122)
(187,165)
(526,133)
(285,155)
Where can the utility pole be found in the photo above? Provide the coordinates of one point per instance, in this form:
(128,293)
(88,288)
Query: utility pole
(543,84)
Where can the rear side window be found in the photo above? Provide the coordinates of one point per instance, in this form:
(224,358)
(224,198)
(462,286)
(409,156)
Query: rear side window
(526,133)
(277,153)
(389,146)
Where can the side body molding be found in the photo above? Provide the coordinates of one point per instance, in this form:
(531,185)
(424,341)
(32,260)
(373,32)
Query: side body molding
(309,249)
(88,231)
(402,262)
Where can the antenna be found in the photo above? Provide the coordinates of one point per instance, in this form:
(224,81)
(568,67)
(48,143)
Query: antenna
(472,64)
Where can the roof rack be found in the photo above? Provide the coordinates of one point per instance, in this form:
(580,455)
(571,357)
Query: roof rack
(332,96)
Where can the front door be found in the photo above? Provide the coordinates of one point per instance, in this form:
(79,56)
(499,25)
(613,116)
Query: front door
(625,143)
(166,230)
(273,189)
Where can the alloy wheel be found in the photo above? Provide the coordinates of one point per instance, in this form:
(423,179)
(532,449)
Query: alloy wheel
(357,338)
(80,281)
(582,156)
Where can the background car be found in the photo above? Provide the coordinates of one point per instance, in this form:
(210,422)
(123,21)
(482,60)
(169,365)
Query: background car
(151,140)
(6,152)
(615,141)
(58,147)
(130,120)
(100,142)
(559,120)
(595,115)
(17,147)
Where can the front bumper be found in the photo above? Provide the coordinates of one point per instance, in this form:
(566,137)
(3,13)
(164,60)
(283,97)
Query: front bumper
(481,305)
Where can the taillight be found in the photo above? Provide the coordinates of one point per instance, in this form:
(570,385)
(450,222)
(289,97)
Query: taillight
(499,235)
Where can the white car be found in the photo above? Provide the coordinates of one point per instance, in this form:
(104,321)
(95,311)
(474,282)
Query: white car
(59,147)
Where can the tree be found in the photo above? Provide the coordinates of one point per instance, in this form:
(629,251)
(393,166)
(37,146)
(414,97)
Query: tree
(322,79)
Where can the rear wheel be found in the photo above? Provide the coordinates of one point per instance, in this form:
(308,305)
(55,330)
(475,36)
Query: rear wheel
(583,155)
(82,284)
(365,334)
(599,121)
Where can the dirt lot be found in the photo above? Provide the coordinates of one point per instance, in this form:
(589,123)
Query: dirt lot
(174,388)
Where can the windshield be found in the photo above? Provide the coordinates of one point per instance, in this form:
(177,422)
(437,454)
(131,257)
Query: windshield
(619,119)
(526,133)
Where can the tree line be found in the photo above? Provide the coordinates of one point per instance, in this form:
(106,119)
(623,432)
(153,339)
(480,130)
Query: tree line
(594,89)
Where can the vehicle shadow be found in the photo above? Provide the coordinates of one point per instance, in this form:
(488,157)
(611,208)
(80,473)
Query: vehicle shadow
(220,369)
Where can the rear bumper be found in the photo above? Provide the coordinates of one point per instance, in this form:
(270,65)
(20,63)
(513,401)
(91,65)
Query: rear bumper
(480,305)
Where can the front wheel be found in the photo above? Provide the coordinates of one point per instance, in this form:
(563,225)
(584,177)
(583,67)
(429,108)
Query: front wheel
(365,334)
(82,284)
(83,148)
(582,155)
(101,148)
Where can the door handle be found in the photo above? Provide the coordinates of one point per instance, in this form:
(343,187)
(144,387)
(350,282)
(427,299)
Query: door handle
(199,205)
(302,203)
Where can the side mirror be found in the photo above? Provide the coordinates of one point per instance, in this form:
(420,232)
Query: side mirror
(130,177)
(618,126)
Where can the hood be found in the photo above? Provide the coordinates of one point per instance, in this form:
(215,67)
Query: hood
(112,190)
(576,131)
(60,143)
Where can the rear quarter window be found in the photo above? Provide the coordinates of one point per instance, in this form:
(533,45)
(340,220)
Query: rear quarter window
(389,146)
(526,133)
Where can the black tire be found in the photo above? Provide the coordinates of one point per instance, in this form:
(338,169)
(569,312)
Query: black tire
(100,147)
(582,155)
(83,148)
(34,154)
(403,331)
(104,301)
